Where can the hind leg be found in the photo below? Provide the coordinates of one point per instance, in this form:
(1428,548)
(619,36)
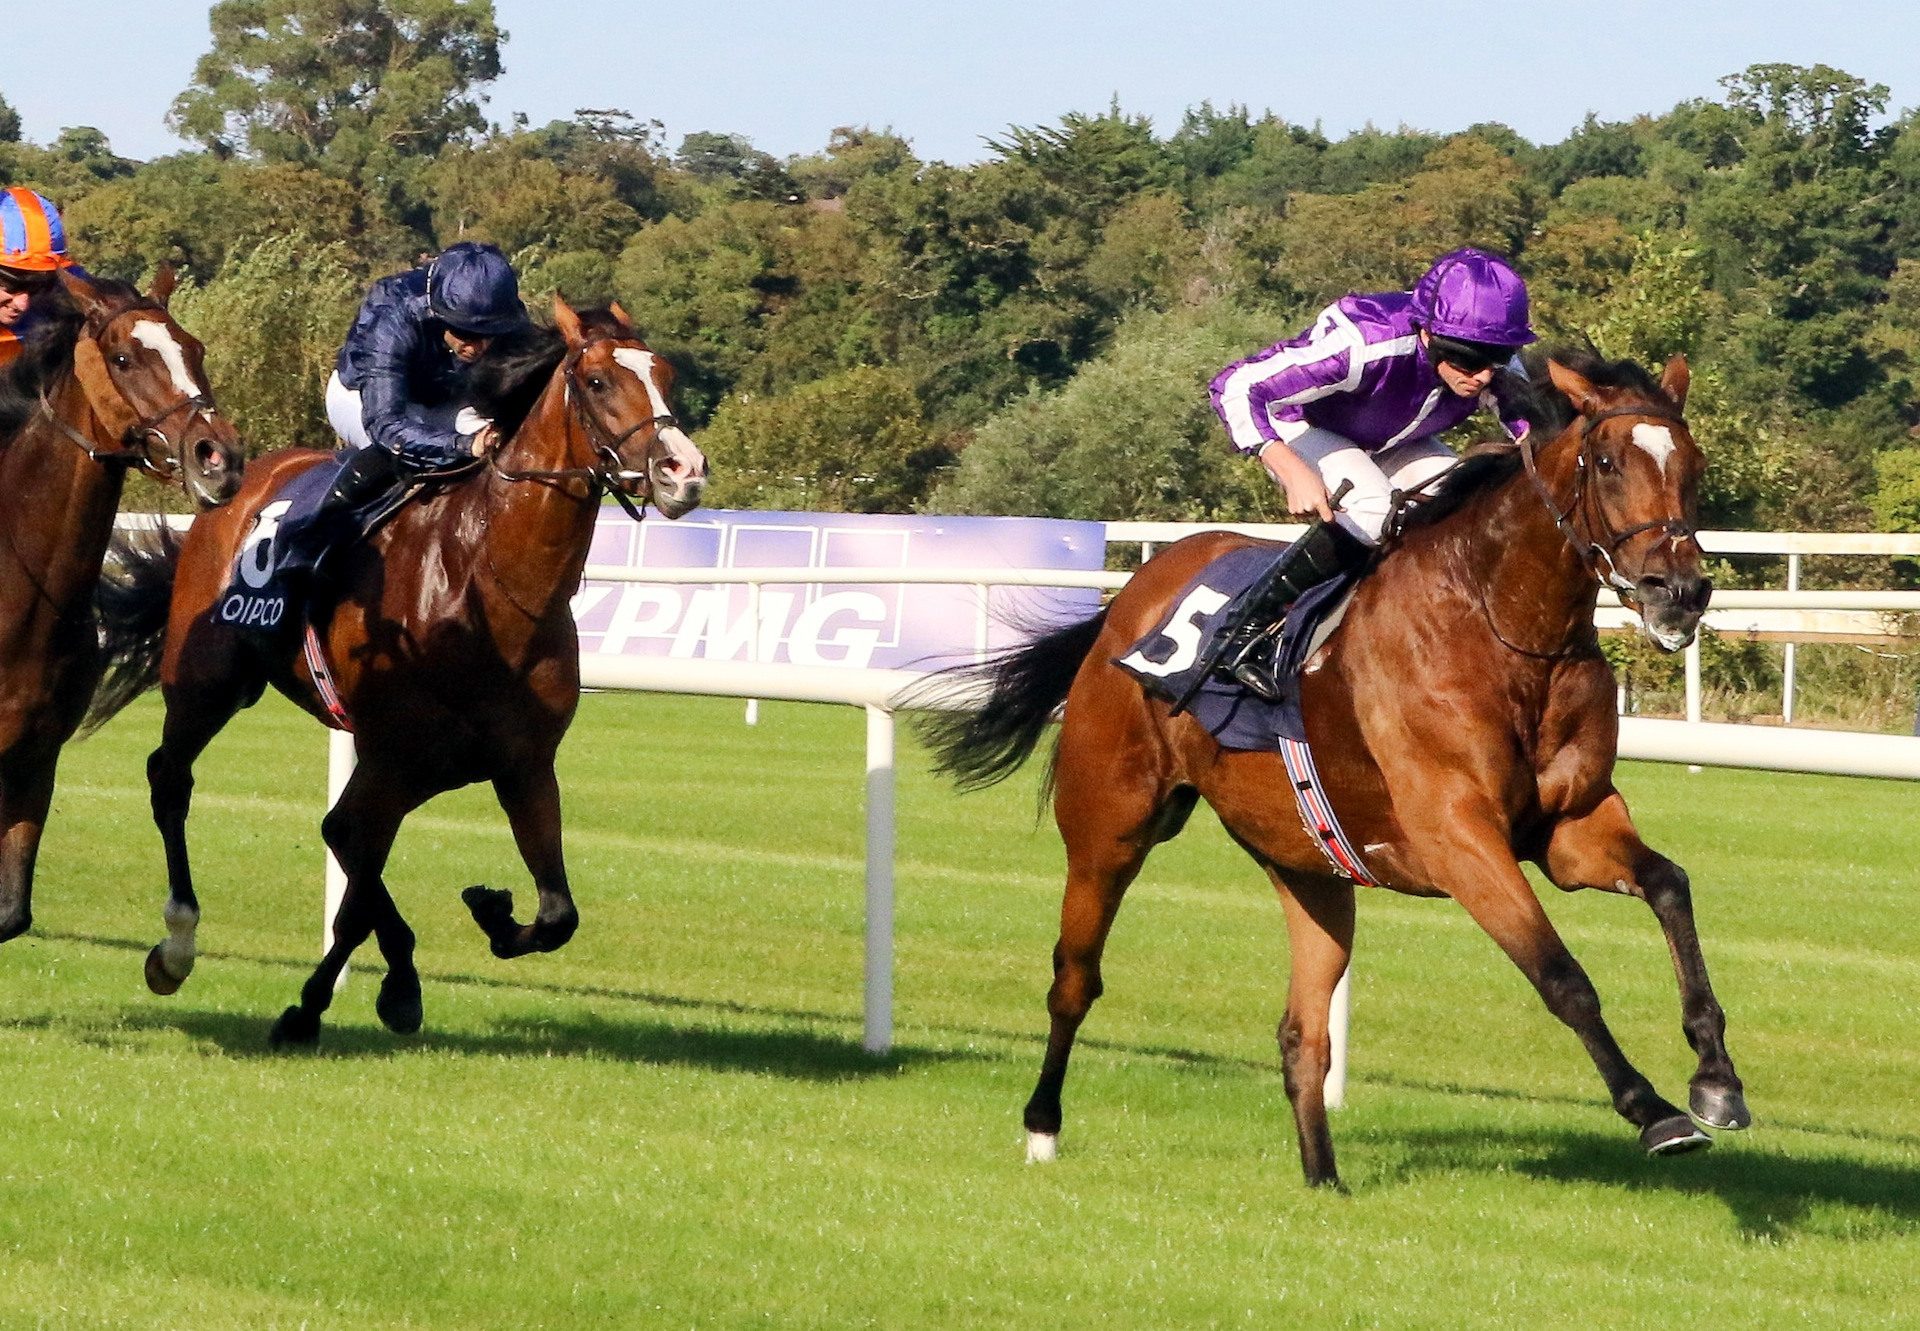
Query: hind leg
(1603,850)
(359,830)
(532,803)
(1109,822)
(195,714)
(1320,935)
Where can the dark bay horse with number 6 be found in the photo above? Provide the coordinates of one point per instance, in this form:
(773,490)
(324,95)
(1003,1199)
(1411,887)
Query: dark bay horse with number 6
(110,385)
(1463,721)
(452,645)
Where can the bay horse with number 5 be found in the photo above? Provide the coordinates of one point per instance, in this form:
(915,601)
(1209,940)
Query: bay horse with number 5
(112,384)
(1463,721)
(452,645)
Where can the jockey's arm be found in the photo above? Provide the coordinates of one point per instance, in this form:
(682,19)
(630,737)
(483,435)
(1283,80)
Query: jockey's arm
(1306,492)
(384,398)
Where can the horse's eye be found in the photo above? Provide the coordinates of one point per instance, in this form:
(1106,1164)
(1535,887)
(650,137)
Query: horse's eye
(121,360)
(596,383)
(1605,463)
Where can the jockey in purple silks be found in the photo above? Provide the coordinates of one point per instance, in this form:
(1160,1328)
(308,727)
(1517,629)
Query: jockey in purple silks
(1358,399)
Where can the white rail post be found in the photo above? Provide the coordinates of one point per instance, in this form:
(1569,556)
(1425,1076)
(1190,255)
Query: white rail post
(753,645)
(1693,676)
(1786,685)
(1338,1018)
(878,1037)
(341,759)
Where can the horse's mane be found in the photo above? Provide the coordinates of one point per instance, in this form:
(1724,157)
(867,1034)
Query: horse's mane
(1547,411)
(510,377)
(46,354)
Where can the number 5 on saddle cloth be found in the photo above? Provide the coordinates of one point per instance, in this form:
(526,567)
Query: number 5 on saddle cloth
(1246,644)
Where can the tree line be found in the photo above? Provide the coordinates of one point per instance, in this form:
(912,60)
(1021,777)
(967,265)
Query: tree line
(860,329)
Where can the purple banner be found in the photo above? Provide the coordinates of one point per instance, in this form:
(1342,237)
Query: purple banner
(857,625)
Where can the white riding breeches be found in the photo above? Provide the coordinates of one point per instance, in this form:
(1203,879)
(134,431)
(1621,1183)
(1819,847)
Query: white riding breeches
(1375,476)
(345,415)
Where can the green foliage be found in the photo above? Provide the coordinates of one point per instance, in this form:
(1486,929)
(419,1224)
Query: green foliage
(1129,434)
(272,323)
(370,90)
(852,442)
(9,122)
(1896,496)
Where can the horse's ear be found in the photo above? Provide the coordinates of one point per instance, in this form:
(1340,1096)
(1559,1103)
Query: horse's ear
(1674,380)
(87,299)
(567,322)
(626,320)
(164,281)
(1577,387)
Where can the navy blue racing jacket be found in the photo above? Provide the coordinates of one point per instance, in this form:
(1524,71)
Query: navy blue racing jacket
(396,358)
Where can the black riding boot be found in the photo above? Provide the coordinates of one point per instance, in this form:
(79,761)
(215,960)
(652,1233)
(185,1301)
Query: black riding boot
(370,473)
(1325,550)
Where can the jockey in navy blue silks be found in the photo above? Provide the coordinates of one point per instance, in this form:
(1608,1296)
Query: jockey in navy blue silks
(398,392)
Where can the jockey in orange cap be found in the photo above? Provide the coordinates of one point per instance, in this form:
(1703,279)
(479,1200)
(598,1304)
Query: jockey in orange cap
(33,250)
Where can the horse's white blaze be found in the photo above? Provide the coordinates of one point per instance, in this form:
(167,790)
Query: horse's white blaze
(679,447)
(1042,1147)
(1657,440)
(155,336)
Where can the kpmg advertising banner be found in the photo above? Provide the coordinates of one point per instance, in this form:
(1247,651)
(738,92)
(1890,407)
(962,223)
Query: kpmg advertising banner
(856,625)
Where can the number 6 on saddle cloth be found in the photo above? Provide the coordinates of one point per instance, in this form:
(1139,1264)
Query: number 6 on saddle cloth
(342,500)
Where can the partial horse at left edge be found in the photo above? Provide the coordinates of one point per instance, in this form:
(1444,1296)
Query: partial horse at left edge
(112,385)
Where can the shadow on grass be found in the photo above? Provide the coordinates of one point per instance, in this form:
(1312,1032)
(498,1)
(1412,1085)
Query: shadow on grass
(1767,1117)
(803,1055)
(367,963)
(1769,1196)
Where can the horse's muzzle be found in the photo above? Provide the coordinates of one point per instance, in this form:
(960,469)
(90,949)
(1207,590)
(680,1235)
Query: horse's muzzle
(1671,606)
(677,486)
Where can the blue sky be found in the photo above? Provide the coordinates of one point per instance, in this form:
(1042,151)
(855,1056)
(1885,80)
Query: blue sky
(946,74)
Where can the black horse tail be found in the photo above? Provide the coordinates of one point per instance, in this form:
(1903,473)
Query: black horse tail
(1024,686)
(130,603)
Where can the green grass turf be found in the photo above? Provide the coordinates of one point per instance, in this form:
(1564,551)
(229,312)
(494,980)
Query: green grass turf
(670,1122)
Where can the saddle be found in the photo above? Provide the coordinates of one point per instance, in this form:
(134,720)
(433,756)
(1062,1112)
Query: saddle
(1174,661)
(279,577)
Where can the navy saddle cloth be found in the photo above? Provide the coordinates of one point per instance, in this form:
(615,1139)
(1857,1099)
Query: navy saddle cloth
(273,575)
(1167,659)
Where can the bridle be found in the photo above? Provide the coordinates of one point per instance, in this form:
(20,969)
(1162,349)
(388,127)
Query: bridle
(1598,556)
(138,440)
(612,472)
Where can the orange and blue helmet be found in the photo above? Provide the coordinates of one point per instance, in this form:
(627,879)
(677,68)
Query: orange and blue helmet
(32,237)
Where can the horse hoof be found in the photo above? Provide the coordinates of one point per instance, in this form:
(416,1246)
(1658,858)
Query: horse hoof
(398,1006)
(1042,1147)
(491,908)
(1719,1108)
(158,978)
(1673,1136)
(15,925)
(296,1026)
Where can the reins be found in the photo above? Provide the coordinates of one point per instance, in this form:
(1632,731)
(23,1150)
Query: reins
(603,441)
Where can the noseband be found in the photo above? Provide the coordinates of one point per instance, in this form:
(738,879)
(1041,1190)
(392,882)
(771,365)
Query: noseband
(604,442)
(1598,555)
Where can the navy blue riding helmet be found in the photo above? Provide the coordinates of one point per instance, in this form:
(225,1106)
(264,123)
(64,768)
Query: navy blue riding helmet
(471,288)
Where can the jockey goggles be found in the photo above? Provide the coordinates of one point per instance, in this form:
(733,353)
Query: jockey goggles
(1468,357)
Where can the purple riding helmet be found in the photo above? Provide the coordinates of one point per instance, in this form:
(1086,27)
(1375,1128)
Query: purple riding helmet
(1473,296)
